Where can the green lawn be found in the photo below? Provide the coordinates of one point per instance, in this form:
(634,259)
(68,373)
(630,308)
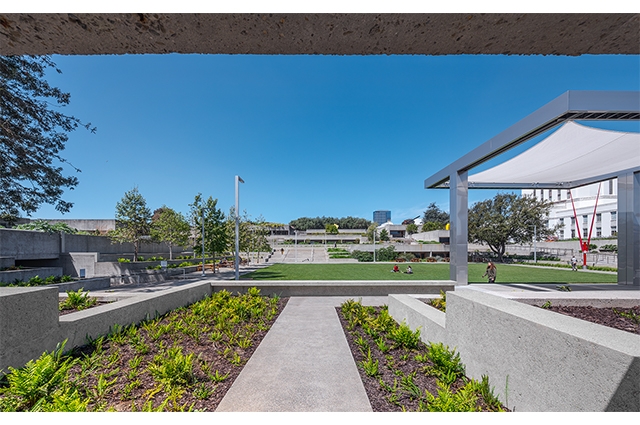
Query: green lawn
(424,271)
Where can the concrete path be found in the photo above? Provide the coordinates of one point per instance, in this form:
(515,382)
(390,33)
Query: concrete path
(302,365)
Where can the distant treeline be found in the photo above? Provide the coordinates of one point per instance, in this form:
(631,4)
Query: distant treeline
(305,223)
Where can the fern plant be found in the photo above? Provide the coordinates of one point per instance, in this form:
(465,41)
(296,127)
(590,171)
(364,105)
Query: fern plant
(42,386)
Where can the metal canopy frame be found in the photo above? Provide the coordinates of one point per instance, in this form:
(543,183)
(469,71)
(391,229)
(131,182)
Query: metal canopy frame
(570,106)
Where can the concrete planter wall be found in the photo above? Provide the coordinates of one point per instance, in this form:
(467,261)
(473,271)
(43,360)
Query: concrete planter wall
(25,336)
(537,360)
(10,276)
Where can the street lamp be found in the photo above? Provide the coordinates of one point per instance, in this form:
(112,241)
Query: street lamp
(203,274)
(238,180)
(535,237)
(374,244)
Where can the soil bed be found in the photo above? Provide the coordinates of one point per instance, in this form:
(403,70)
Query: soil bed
(613,317)
(606,316)
(391,390)
(185,360)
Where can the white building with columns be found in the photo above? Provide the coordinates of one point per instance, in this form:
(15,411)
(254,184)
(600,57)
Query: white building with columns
(599,198)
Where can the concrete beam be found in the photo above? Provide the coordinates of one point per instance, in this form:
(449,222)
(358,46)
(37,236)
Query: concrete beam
(320,34)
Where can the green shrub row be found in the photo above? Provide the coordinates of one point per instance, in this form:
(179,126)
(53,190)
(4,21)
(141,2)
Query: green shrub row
(38,281)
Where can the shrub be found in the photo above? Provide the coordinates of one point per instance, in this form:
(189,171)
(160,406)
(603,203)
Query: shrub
(386,254)
(362,256)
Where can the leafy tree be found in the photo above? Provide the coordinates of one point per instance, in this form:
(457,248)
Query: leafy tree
(331,229)
(384,235)
(45,226)
(386,254)
(371,231)
(133,221)
(259,232)
(430,225)
(33,132)
(216,237)
(412,228)
(434,218)
(170,227)
(305,223)
(508,218)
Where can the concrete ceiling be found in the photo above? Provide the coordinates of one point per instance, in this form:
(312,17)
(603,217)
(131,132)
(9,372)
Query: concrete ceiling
(329,34)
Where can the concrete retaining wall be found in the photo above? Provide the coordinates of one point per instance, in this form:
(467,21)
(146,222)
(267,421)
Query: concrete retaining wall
(10,276)
(29,245)
(32,245)
(354,288)
(537,360)
(30,323)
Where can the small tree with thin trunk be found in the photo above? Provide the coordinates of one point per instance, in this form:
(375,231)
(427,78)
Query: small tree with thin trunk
(216,238)
(133,221)
(170,227)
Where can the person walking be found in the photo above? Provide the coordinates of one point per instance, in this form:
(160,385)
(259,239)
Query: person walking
(574,263)
(491,272)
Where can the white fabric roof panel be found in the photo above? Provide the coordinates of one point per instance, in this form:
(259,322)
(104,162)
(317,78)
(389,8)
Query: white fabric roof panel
(571,156)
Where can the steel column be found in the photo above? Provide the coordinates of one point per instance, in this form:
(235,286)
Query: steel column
(459,220)
(629,229)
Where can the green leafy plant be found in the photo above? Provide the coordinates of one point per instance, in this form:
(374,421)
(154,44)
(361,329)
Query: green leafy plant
(440,303)
(632,315)
(78,300)
(446,363)
(546,305)
(404,337)
(172,368)
(42,385)
(369,365)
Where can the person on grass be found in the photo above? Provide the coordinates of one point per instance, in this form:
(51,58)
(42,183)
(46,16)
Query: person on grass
(491,272)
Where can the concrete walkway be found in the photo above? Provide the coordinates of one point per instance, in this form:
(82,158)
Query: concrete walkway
(303,364)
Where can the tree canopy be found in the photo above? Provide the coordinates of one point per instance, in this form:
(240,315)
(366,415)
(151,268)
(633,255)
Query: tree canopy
(508,218)
(331,229)
(434,218)
(133,220)
(170,227)
(216,235)
(45,226)
(305,223)
(33,132)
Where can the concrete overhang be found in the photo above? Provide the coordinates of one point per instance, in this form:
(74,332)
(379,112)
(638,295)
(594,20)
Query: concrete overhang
(320,34)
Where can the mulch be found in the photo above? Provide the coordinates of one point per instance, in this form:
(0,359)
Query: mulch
(605,316)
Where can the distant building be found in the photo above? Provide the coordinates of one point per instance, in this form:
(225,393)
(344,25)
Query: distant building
(381,217)
(584,199)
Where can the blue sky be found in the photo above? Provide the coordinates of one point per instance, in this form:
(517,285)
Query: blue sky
(310,135)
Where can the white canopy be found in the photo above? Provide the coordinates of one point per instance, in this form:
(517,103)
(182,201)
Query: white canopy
(572,156)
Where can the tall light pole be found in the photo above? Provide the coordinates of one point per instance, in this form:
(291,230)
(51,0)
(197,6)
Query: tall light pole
(374,244)
(238,181)
(203,241)
(535,237)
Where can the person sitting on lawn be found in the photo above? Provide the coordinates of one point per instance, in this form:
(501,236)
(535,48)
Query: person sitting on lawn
(409,270)
(396,269)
